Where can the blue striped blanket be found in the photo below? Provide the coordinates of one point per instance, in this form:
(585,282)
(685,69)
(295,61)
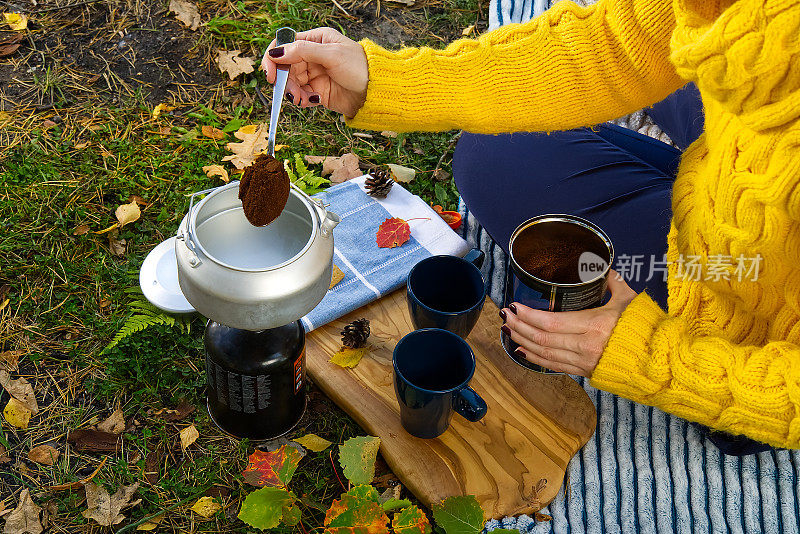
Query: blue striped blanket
(645,470)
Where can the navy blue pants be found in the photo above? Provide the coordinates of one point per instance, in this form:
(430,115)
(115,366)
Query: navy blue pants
(617,178)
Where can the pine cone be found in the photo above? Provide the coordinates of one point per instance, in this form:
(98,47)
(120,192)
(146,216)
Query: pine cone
(355,334)
(379,183)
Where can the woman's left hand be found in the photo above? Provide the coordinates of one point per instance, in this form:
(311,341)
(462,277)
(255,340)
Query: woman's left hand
(570,342)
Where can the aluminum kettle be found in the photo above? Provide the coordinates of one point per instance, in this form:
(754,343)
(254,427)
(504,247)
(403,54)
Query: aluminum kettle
(254,277)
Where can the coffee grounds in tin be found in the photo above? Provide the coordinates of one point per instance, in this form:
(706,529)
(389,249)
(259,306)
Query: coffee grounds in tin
(264,190)
(551,251)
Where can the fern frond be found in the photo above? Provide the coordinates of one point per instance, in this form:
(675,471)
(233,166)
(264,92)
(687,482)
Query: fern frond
(137,323)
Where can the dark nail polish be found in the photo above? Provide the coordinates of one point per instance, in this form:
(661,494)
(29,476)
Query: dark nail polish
(314,99)
(276,52)
(506,330)
(503,314)
(519,354)
(290,97)
(513,308)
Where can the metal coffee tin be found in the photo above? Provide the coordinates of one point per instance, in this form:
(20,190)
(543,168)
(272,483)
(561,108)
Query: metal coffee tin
(534,292)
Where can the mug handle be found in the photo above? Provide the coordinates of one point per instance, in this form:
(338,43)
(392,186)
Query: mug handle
(475,257)
(469,404)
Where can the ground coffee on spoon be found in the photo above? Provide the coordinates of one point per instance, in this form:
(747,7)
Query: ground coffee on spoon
(264,190)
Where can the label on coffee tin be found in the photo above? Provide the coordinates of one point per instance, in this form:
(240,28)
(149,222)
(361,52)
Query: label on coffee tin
(240,393)
(578,299)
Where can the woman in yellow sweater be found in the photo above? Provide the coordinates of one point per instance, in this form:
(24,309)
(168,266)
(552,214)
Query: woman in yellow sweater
(726,351)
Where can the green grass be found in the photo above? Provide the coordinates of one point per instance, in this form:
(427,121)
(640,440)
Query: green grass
(53,180)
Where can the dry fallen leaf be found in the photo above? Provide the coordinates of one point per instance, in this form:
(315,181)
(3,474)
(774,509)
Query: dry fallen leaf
(206,507)
(151,524)
(186,12)
(389,133)
(128,213)
(180,412)
(105,508)
(347,357)
(161,108)
(217,170)
(94,440)
(4,458)
(82,229)
(115,423)
(400,173)
(213,133)
(468,30)
(336,276)
(115,245)
(25,517)
(341,168)
(44,455)
(10,44)
(17,414)
(139,200)
(254,141)
(188,436)
(20,389)
(9,360)
(16,21)
(231,63)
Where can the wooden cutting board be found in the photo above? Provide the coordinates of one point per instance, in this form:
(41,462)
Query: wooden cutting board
(534,425)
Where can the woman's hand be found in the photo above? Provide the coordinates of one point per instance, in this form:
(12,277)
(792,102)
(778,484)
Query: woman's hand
(326,68)
(571,342)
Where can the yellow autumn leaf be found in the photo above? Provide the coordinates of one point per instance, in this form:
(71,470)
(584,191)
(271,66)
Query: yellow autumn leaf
(16,21)
(347,357)
(206,507)
(151,524)
(468,30)
(128,213)
(336,276)
(217,170)
(17,414)
(313,442)
(161,108)
(188,436)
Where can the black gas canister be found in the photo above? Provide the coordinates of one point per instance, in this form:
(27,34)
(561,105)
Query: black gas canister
(256,380)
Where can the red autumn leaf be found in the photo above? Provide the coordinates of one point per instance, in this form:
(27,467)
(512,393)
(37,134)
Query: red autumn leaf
(393,233)
(274,469)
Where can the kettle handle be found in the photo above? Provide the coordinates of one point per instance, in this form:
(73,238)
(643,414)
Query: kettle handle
(328,220)
(187,236)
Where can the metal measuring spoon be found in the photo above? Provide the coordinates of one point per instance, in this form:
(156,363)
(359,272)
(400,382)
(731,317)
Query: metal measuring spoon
(282,37)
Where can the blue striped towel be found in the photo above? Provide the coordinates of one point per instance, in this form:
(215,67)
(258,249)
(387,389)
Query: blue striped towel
(645,470)
(370,271)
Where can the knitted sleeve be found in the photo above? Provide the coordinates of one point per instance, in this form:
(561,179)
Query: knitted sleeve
(570,67)
(653,358)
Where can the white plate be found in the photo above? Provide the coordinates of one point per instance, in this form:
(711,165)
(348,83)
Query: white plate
(158,279)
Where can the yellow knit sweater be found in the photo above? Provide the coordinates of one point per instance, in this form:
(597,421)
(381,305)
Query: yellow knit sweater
(727,352)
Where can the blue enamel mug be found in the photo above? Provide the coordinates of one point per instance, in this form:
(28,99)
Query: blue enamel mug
(447,292)
(432,371)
